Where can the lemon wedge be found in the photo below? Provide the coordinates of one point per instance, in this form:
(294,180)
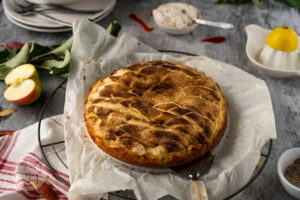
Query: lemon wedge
(283,38)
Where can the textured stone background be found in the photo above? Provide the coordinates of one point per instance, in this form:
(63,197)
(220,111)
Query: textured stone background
(285,93)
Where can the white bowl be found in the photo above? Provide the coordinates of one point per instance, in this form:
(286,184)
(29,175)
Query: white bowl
(256,40)
(287,158)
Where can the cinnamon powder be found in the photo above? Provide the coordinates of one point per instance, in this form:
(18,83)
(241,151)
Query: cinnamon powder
(292,173)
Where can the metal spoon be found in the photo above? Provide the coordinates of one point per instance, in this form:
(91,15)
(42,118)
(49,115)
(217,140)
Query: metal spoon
(20,8)
(223,25)
(33,7)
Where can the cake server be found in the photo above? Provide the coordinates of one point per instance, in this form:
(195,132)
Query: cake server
(194,171)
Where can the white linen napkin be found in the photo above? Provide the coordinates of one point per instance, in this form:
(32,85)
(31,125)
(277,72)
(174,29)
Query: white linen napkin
(21,161)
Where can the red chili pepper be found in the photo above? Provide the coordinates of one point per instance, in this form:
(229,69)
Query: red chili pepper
(17,45)
(7,46)
(135,18)
(151,13)
(214,40)
(6,132)
(13,46)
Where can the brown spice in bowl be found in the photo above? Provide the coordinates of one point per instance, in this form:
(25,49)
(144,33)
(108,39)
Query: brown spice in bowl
(292,173)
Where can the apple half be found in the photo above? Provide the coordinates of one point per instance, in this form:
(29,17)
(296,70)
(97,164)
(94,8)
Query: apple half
(24,85)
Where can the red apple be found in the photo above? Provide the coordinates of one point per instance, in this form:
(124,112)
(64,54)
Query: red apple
(24,85)
(44,189)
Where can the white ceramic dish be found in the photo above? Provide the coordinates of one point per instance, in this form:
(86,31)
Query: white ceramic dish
(39,21)
(38,29)
(47,30)
(287,158)
(256,40)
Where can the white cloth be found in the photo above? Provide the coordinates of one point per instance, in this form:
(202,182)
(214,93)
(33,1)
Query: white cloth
(95,54)
(21,161)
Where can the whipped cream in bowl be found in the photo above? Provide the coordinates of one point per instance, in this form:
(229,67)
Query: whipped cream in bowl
(179,18)
(176,18)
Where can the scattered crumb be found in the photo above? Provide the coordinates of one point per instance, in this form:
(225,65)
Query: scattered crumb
(84,77)
(68,117)
(139,43)
(227,136)
(259,164)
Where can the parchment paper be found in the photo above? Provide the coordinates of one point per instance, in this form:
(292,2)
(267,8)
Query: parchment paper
(94,54)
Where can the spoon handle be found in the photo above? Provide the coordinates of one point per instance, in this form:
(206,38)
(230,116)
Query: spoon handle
(214,24)
(198,190)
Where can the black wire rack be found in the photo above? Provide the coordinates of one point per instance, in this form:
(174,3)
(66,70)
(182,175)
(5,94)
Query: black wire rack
(264,157)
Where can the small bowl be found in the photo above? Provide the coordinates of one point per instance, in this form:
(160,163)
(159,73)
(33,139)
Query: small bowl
(287,158)
(256,39)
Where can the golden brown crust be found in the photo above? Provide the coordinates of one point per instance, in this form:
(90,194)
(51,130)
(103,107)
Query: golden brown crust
(156,114)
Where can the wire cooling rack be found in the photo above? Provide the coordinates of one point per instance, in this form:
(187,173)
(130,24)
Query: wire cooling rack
(264,157)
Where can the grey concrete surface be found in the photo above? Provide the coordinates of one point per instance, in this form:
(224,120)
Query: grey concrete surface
(285,93)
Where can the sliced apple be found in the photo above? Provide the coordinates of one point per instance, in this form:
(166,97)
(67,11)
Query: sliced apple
(44,189)
(21,73)
(24,85)
(4,113)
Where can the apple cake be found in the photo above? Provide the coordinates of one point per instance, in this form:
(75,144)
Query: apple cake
(156,114)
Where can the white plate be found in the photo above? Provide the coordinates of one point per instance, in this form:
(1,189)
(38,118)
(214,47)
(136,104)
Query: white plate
(256,40)
(38,29)
(48,29)
(42,22)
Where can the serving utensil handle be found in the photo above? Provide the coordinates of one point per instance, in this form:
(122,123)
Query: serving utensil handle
(198,190)
(223,25)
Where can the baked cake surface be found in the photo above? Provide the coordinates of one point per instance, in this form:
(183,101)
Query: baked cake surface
(156,114)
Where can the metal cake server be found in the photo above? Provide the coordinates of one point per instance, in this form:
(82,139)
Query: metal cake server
(194,171)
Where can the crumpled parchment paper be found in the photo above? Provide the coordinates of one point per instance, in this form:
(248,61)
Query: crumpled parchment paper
(94,54)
